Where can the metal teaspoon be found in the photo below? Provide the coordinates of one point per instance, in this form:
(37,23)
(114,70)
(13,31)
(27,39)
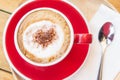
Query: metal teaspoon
(105,37)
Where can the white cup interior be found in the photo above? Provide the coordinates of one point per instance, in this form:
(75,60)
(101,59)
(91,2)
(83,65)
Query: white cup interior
(57,60)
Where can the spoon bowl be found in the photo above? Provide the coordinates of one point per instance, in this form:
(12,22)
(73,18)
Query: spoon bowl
(106,33)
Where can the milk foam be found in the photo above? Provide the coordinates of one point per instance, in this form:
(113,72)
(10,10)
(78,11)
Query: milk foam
(36,49)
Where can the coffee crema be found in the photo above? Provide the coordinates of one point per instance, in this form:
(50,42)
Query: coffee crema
(43,36)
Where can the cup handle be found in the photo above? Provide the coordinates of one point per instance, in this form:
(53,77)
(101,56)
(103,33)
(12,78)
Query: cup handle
(83,38)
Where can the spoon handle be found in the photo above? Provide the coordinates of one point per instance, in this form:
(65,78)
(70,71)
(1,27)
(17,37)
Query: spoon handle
(100,73)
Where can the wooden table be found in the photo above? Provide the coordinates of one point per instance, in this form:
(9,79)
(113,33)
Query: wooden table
(88,7)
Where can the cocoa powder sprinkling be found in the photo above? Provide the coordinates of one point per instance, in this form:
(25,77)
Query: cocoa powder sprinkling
(44,38)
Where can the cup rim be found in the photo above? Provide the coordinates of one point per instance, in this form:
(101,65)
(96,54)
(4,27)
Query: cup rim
(58,59)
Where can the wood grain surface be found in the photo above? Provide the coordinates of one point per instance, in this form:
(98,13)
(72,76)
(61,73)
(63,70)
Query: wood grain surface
(10,5)
(5,75)
(115,4)
(3,19)
(6,8)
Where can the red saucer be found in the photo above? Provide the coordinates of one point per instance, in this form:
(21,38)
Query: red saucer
(61,70)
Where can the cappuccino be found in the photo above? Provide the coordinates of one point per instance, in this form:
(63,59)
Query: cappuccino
(43,36)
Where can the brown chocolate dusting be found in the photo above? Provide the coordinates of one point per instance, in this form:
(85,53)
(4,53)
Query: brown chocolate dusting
(44,38)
